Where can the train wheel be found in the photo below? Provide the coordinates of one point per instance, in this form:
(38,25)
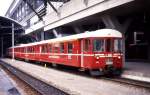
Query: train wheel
(26,60)
(54,65)
(95,72)
(117,72)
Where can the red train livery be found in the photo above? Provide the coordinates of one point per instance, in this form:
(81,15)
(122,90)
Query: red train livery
(98,51)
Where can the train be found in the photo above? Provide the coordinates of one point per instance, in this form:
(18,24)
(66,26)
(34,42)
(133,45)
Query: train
(100,52)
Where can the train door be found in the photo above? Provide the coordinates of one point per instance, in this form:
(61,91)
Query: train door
(85,53)
(82,54)
(26,53)
(39,52)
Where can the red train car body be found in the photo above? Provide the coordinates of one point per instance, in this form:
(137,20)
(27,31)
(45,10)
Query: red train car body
(99,50)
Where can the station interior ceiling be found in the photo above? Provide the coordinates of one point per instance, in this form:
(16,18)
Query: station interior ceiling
(137,40)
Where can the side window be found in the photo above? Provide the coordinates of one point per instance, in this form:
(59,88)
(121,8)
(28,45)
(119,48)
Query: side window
(44,49)
(50,48)
(55,47)
(87,45)
(28,49)
(54,50)
(70,47)
(62,48)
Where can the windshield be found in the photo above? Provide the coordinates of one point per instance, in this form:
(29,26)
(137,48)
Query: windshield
(107,45)
(117,45)
(98,45)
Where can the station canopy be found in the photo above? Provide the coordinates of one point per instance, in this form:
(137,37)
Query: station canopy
(6,32)
(6,26)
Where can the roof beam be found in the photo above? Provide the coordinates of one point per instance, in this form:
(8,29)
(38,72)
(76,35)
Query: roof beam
(49,2)
(59,0)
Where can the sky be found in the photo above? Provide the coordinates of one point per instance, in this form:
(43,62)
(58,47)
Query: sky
(4,5)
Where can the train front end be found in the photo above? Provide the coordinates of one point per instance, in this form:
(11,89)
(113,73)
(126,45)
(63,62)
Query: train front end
(108,55)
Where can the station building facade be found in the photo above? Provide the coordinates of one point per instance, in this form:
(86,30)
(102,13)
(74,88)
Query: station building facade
(46,19)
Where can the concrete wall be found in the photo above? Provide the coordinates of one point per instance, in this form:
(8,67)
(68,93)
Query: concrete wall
(77,9)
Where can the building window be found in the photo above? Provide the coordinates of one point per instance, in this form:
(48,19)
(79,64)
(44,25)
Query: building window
(19,13)
(38,3)
(26,9)
(23,9)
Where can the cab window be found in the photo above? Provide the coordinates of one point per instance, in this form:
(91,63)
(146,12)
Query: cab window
(117,45)
(98,45)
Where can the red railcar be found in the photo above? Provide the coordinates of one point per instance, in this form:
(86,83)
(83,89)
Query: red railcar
(97,51)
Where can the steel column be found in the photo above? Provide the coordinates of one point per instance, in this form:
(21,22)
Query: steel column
(1,46)
(12,41)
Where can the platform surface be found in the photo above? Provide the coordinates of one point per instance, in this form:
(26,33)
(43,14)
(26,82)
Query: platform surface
(6,86)
(137,71)
(75,84)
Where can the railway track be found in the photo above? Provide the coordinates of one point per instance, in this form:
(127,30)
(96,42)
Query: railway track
(140,84)
(37,84)
(19,86)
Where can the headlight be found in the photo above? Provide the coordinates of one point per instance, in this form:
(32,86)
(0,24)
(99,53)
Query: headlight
(97,57)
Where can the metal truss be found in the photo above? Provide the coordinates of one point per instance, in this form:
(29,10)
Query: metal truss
(31,7)
(42,12)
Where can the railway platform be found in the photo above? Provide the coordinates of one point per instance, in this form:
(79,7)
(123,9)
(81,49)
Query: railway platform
(6,86)
(75,84)
(137,71)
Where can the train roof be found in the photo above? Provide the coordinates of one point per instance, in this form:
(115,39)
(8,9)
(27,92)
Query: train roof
(97,33)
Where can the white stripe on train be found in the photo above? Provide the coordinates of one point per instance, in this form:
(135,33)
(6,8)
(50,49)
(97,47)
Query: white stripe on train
(50,54)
